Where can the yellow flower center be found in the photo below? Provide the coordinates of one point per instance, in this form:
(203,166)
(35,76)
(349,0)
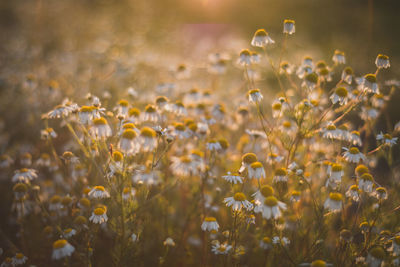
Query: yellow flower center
(249,158)
(261,33)
(60,243)
(271,201)
(129,134)
(148,132)
(99,211)
(99,188)
(341,91)
(318,263)
(336,196)
(267,191)
(134,112)
(117,156)
(239,197)
(370,78)
(354,151)
(367,177)
(256,165)
(337,168)
(100,121)
(210,219)
(281,172)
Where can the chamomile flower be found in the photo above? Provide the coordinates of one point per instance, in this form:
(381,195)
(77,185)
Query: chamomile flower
(271,208)
(338,57)
(289,26)
(62,249)
(295,196)
(334,202)
(235,179)
(317,263)
(221,249)
(150,114)
(169,242)
(238,201)
(266,243)
(99,215)
(24,175)
(366,182)
(353,193)
(177,108)
(310,81)
(69,232)
(330,132)
(100,129)
(380,193)
(147,176)
(128,192)
(247,160)
(256,170)
(347,75)
(336,173)
(210,224)
(86,114)
(147,139)
(280,176)
(382,61)
(369,84)
(353,155)
(244,57)
(255,96)
(129,143)
(264,192)
(286,68)
(386,139)
(284,241)
(47,134)
(20,191)
(261,39)
(98,192)
(214,145)
(60,111)
(339,96)
(134,115)
(355,138)
(19,259)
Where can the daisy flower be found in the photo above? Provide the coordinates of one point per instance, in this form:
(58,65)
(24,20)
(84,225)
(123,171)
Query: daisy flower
(353,193)
(386,139)
(19,259)
(69,232)
(347,75)
(100,128)
(264,192)
(177,108)
(271,208)
(366,182)
(128,192)
(244,57)
(20,190)
(382,62)
(62,249)
(86,114)
(369,84)
(134,115)
(255,96)
(169,242)
(353,155)
(235,179)
(289,26)
(355,138)
(380,193)
(221,249)
(339,96)
(24,175)
(210,224)
(335,174)
(214,145)
(310,81)
(99,215)
(98,192)
(256,170)
(129,143)
(280,176)
(237,202)
(247,160)
(285,68)
(338,57)
(148,141)
(48,133)
(334,202)
(261,39)
(150,114)
(59,111)
(266,243)
(295,196)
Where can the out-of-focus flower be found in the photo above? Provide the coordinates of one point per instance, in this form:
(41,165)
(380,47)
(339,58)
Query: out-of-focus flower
(210,224)
(62,249)
(382,61)
(261,39)
(289,26)
(334,202)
